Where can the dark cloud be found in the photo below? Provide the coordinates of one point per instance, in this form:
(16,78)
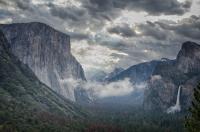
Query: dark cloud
(78,36)
(188,27)
(153,7)
(102,10)
(19,4)
(87,13)
(23,4)
(3,2)
(80,17)
(72,13)
(123,30)
(147,29)
(162,30)
(153,30)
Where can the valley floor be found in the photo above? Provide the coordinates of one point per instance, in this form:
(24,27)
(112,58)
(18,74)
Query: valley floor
(130,119)
(100,119)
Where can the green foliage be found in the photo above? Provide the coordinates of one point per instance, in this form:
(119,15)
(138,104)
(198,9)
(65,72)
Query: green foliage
(131,119)
(193,120)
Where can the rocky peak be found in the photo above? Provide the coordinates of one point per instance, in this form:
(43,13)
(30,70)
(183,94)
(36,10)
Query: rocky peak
(188,59)
(190,45)
(189,49)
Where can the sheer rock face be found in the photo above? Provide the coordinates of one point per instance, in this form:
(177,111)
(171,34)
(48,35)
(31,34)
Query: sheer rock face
(188,59)
(169,75)
(47,52)
(23,95)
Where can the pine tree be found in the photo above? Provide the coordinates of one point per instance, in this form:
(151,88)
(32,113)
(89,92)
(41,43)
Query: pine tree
(193,121)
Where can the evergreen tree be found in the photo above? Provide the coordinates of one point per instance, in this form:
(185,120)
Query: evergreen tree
(193,121)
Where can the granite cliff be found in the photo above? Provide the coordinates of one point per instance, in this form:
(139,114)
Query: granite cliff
(163,85)
(26,104)
(47,52)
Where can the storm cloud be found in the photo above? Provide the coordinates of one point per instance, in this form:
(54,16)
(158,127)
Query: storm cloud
(188,27)
(113,33)
(123,30)
(161,30)
(73,13)
(153,7)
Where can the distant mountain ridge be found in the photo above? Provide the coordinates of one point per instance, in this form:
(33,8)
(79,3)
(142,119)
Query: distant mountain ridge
(113,74)
(47,52)
(137,73)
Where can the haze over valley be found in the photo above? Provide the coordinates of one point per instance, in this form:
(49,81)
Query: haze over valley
(99,65)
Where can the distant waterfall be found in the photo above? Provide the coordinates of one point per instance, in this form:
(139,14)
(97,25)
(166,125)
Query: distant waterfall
(176,107)
(178,98)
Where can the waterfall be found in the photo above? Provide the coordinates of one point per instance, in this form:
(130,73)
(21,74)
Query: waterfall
(176,107)
(178,98)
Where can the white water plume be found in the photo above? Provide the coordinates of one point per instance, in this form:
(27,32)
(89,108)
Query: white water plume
(177,106)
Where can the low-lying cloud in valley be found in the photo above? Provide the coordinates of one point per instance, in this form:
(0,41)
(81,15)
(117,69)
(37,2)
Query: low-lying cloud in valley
(119,88)
(99,90)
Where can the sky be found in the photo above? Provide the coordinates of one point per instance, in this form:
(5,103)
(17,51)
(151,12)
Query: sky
(106,34)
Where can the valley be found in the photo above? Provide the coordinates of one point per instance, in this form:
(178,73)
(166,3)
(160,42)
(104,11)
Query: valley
(43,87)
